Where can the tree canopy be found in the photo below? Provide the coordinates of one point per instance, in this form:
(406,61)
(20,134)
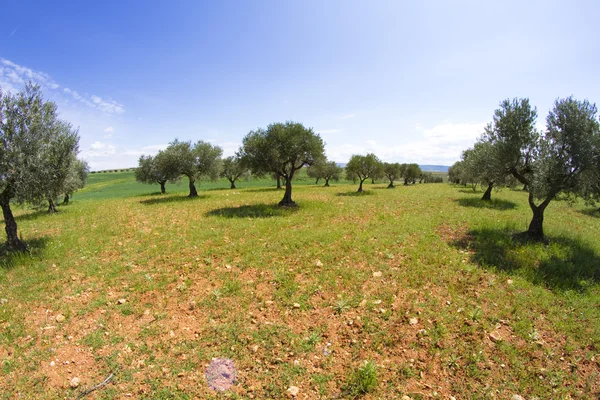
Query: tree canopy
(36,153)
(201,160)
(363,167)
(327,170)
(551,162)
(233,169)
(393,172)
(282,148)
(158,169)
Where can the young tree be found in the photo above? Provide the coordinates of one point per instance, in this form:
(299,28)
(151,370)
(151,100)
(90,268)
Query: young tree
(392,172)
(327,170)
(76,179)
(484,166)
(233,169)
(30,135)
(158,169)
(548,163)
(455,172)
(362,168)
(283,148)
(201,160)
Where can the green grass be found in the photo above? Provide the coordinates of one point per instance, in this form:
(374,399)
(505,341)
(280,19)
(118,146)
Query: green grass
(291,295)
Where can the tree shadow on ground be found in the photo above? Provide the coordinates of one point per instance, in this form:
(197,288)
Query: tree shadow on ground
(153,194)
(355,193)
(252,211)
(562,264)
(261,190)
(171,199)
(9,259)
(469,191)
(591,212)
(494,204)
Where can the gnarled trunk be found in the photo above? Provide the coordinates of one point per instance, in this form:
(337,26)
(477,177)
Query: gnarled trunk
(193,191)
(278,182)
(162,187)
(360,189)
(51,206)
(487,196)
(536,226)
(232,184)
(66,199)
(326,182)
(317,181)
(391,185)
(287,197)
(10,226)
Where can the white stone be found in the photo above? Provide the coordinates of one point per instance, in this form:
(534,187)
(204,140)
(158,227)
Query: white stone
(293,391)
(413,321)
(377,274)
(75,382)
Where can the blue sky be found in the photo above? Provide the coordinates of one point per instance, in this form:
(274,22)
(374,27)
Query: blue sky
(409,81)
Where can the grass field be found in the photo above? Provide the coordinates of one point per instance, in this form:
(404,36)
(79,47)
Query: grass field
(423,283)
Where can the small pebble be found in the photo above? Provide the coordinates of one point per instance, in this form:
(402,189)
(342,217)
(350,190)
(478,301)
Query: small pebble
(293,391)
(75,382)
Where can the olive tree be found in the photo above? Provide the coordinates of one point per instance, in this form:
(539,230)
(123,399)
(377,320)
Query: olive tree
(550,162)
(362,168)
(483,165)
(410,173)
(76,179)
(327,170)
(393,172)
(233,169)
(158,169)
(282,149)
(33,143)
(197,161)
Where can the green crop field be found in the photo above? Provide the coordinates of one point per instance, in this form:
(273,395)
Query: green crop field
(417,291)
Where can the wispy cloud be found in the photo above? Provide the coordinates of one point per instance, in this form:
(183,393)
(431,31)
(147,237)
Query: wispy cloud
(13,76)
(109,129)
(13,32)
(348,116)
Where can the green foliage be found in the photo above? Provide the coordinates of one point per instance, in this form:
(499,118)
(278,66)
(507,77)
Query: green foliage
(282,149)
(410,173)
(233,169)
(362,381)
(393,172)
(363,167)
(328,170)
(36,152)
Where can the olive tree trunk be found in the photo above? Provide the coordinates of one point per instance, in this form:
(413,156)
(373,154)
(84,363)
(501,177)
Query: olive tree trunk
(487,196)
(193,191)
(278,182)
(287,197)
(162,187)
(360,189)
(232,184)
(536,226)
(66,199)
(326,182)
(13,241)
(51,206)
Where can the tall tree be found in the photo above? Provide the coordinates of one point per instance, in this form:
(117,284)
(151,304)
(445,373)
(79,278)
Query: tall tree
(233,169)
(551,162)
(327,170)
(362,168)
(393,172)
(198,161)
(30,136)
(283,148)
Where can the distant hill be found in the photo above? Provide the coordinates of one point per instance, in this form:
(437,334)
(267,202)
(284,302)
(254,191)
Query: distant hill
(434,168)
(428,168)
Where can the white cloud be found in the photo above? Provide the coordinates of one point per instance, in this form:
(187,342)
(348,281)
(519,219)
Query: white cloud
(348,116)
(439,144)
(99,149)
(13,76)
(109,129)
(109,106)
